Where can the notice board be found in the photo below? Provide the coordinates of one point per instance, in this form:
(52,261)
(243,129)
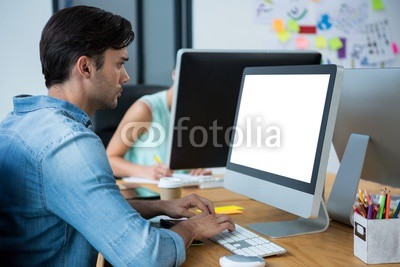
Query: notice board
(357,33)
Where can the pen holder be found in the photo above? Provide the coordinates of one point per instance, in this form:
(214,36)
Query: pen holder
(377,241)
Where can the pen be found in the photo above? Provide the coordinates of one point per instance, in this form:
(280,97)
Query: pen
(157,158)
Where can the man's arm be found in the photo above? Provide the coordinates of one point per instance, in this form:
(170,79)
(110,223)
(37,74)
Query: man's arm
(79,188)
(148,208)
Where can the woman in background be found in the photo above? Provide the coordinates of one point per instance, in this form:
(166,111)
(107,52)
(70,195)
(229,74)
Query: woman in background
(138,147)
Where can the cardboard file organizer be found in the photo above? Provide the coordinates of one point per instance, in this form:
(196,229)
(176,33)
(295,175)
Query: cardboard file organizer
(377,241)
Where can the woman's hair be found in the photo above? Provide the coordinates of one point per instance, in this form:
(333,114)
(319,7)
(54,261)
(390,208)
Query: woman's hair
(80,31)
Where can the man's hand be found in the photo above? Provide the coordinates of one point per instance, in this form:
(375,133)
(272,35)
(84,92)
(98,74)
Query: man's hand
(181,207)
(202,226)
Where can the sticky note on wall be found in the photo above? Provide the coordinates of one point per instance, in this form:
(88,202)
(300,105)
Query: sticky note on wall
(377,5)
(395,48)
(342,51)
(320,42)
(278,25)
(335,43)
(283,36)
(301,42)
(308,29)
(292,26)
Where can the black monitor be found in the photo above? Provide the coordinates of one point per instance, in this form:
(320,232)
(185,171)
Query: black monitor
(283,161)
(366,136)
(207,84)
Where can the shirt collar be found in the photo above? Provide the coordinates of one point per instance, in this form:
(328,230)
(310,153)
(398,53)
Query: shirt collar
(28,103)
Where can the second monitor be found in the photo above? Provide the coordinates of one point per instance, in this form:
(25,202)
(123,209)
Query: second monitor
(207,84)
(366,136)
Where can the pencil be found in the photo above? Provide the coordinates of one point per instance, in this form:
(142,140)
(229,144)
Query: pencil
(396,213)
(375,212)
(360,196)
(157,158)
(361,208)
(367,196)
(382,201)
(356,210)
(370,210)
(388,199)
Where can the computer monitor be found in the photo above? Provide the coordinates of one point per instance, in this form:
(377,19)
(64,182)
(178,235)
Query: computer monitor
(281,158)
(366,136)
(207,84)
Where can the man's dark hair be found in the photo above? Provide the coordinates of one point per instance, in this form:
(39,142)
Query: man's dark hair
(80,31)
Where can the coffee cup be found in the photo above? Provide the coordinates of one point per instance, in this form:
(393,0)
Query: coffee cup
(170,188)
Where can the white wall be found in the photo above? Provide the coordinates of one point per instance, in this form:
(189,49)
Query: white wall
(21,23)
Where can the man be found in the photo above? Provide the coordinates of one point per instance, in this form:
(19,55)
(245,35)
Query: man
(59,203)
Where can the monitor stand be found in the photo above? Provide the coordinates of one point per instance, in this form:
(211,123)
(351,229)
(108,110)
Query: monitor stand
(344,190)
(294,227)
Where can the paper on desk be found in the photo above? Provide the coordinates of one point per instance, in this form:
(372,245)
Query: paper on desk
(230,209)
(139,180)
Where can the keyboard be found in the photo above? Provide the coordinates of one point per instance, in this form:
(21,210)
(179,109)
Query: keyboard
(247,243)
(192,180)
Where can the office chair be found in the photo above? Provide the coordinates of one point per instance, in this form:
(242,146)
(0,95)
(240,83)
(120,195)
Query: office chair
(105,122)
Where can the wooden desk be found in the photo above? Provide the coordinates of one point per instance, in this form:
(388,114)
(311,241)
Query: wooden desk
(334,247)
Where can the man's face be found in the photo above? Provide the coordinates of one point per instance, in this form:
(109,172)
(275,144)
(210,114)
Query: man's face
(107,81)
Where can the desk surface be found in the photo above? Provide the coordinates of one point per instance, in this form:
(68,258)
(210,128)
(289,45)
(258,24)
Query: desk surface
(334,247)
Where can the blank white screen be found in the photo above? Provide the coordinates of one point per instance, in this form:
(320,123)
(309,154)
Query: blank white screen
(295,104)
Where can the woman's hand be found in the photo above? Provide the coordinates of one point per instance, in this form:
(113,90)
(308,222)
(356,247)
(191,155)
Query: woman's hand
(156,171)
(200,171)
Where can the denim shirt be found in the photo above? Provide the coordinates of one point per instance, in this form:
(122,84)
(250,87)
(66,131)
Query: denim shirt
(59,203)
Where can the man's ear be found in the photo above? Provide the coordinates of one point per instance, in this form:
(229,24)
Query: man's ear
(84,66)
